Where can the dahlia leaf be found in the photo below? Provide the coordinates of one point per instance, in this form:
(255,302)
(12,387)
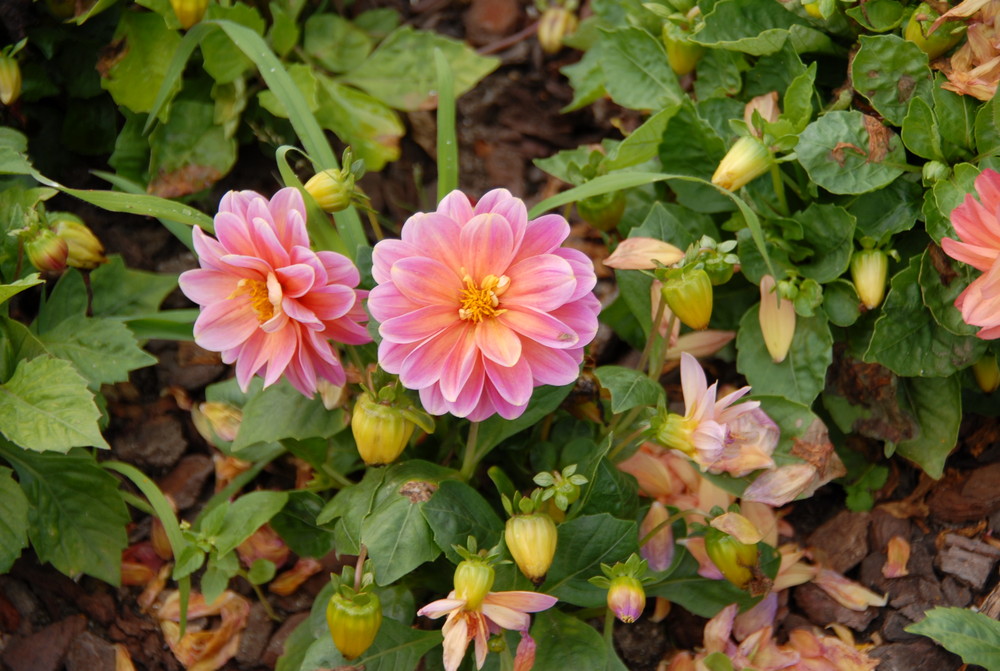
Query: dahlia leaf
(975,637)
(13,520)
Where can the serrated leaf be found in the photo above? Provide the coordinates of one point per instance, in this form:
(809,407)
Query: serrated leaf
(584,543)
(103,350)
(398,72)
(636,72)
(891,71)
(124,292)
(975,637)
(455,512)
(281,411)
(245,515)
(850,153)
(46,406)
(13,520)
(133,72)
(76,516)
(629,388)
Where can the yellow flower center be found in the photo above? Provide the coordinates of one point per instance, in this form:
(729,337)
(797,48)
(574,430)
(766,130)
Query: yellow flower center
(479,302)
(260,301)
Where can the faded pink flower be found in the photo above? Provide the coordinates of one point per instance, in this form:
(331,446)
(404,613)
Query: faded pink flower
(268,301)
(478,306)
(498,611)
(977,223)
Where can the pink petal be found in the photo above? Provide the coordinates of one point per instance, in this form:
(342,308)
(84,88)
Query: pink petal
(386,301)
(456,642)
(427,281)
(540,327)
(289,213)
(296,280)
(500,201)
(540,282)
(420,324)
(303,315)
(280,348)
(514,383)
(225,325)
(543,236)
(487,244)
(392,355)
(550,366)
(237,202)
(459,367)
(507,618)
(208,249)
(422,367)
(205,286)
(456,206)
(583,269)
(436,609)
(385,254)
(977,256)
(497,342)
(436,236)
(528,602)
(234,234)
(339,268)
(330,302)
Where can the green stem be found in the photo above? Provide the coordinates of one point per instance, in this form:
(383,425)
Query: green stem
(609,628)
(359,567)
(470,459)
(335,475)
(624,442)
(779,189)
(447,143)
(656,370)
(261,597)
(654,333)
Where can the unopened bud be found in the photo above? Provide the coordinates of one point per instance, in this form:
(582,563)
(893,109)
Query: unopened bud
(734,559)
(222,418)
(626,598)
(682,54)
(333,396)
(354,622)
(556,23)
(688,293)
(766,106)
(919,31)
(380,431)
(869,268)
(603,211)
(47,251)
(84,249)
(10,80)
(987,373)
(777,320)
(189,12)
(473,581)
(531,540)
(746,160)
(332,189)
(639,253)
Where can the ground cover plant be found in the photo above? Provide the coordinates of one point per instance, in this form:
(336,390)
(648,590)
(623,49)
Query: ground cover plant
(769,284)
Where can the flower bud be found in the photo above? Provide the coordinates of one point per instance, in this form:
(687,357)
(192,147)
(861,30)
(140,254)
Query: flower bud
(869,268)
(331,189)
(354,622)
(657,549)
(556,23)
(682,55)
(934,171)
(746,160)
(47,251)
(473,580)
(531,540)
(380,431)
(639,253)
(675,432)
(734,559)
(936,43)
(222,418)
(10,80)
(603,211)
(189,12)
(84,249)
(777,320)
(813,10)
(987,373)
(626,598)
(688,293)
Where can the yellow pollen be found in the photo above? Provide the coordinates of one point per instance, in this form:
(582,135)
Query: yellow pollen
(480,302)
(256,291)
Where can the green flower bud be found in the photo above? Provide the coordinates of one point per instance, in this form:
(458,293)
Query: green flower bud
(941,40)
(10,80)
(189,12)
(626,598)
(604,211)
(734,559)
(682,54)
(935,171)
(380,431)
(354,622)
(688,293)
(745,161)
(473,581)
(531,540)
(331,189)
(47,251)
(987,373)
(869,268)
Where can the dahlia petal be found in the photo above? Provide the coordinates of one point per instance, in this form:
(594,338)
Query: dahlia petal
(481,634)
(500,201)
(456,206)
(386,301)
(487,244)
(528,602)
(303,315)
(224,325)
(268,246)
(431,398)
(550,366)
(427,281)
(288,211)
(385,254)
(502,406)
(456,642)
(251,358)
(436,609)
(543,236)
(485,407)
(339,268)
(330,302)
(420,324)
(977,256)
(497,342)
(694,384)
(436,236)
(976,223)
(208,249)
(541,282)
(296,279)
(583,270)
(540,327)
(237,202)
(458,368)
(422,367)
(348,331)
(206,286)
(514,383)
(468,397)
(280,347)
(248,265)
(580,316)
(506,618)
(234,234)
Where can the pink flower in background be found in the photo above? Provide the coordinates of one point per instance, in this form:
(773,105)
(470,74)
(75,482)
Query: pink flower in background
(268,301)
(478,306)
(978,225)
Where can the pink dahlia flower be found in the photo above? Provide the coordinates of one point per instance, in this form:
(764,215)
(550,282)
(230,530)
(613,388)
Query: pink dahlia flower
(978,225)
(268,301)
(478,306)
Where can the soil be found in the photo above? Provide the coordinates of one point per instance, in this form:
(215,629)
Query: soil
(49,622)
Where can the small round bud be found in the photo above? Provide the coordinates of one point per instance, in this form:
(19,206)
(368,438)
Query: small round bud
(869,268)
(734,559)
(85,251)
(688,293)
(626,598)
(189,12)
(380,431)
(604,211)
(987,373)
(531,540)
(10,80)
(331,189)
(473,581)
(47,251)
(354,622)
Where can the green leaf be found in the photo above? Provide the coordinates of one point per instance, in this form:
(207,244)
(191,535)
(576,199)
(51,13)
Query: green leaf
(447,139)
(399,71)
(349,507)
(945,196)
(245,515)
(936,405)
(103,350)
(829,231)
(636,72)
(398,537)
(281,411)
(609,490)
(284,32)
(878,15)
(841,303)
(628,387)
(335,42)
(887,211)
(144,46)
(908,340)
(987,128)
(16,287)
(296,524)
(496,429)
(641,144)
(13,520)
(891,71)
(566,642)
(584,543)
(920,131)
(76,516)
(975,637)
(755,28)
(455,512)
(802,375)
(587,79)
(214,582)
(46,406)
(956,116)
(222,59)
(123,292)
(370,127)
(692,147)
(939,296)
(397,647)
(850,153)
(261,571)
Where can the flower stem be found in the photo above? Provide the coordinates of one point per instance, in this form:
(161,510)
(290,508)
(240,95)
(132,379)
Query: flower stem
(470,460)
(359,567)
(779,189)
(609,628)
(261,597)
(656,369)
(654,333)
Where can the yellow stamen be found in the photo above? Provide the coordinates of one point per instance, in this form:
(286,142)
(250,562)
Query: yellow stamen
(256,291)
(479,302)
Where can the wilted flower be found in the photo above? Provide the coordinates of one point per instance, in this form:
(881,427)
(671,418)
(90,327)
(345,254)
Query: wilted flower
(269,302)
(286,583)
(846,592)
(209,649)
(750,442)
(264,543)
(777,320)
(640,253)
(977,225)
(897,555)
(974,68)
(479,305)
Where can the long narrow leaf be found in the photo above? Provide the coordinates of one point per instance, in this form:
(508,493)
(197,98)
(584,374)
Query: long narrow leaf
(191,40)
(627,180)
(447,143)
(180,231)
